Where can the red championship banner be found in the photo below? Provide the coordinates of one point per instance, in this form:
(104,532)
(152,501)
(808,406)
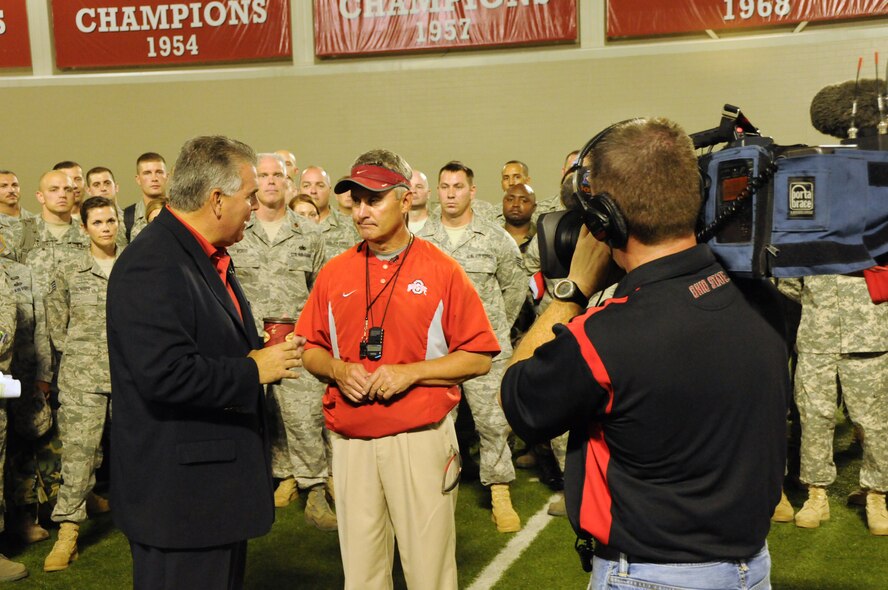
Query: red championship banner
(114,33)
(639,18)
(15,46)
(366,27)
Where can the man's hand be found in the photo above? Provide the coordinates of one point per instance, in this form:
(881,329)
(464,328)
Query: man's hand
(590,264)
(274,362)
(389,380)
(351,378)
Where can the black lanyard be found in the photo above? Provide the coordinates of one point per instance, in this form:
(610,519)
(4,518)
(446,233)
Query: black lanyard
(368,312)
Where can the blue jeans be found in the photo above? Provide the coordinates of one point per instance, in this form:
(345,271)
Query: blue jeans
(751,574)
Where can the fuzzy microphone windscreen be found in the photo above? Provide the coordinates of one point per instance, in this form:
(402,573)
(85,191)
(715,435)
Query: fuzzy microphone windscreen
(831,107)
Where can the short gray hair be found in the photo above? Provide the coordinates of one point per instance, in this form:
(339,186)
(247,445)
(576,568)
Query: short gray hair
(272,156)
(390,160)
(206,163)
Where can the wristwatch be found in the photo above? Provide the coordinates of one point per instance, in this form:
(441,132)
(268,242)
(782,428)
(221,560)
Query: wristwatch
(567,290)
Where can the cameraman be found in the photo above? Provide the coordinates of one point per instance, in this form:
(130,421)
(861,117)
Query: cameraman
(674,391)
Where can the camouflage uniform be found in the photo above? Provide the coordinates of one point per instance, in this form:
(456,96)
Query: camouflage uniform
(139,221)
(339,233)
(7,336)
(491,259)
(121,234)
(30,361)
(38,475)
(9,219)
(549,205)
(75,315)
(842,334)
(31,243)
(32,472)
(276,276)
(527,315)
(531,259)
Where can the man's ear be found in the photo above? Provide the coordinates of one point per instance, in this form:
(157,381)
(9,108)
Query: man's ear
(406,202)
(216,202)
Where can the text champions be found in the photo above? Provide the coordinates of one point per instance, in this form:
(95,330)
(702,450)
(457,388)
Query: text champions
(161,17)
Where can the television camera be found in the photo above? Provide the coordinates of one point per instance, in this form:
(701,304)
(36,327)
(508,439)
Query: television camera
(767,209)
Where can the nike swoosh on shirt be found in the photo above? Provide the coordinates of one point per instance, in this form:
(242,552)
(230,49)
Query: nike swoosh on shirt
(349,293)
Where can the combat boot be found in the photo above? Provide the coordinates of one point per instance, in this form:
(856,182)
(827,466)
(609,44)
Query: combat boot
(65,549)
(95,504)
(857,497)
(504,516)
(526,460)
(331,491)
(11,570)
(783,512)
(285,493)
(26,528)
(876,514)
(815,510)
(318,511)
(557,507)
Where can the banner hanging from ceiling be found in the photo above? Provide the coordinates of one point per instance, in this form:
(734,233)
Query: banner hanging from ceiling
(368,27)
(15,44)
(640,18)
(121,33)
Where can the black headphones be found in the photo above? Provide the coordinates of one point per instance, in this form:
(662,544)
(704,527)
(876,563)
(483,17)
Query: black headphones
(600,212)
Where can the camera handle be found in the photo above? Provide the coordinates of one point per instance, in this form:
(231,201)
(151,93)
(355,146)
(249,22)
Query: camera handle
(755,183)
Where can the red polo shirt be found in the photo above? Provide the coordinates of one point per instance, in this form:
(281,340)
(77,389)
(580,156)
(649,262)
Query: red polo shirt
(218,256)
(434,310)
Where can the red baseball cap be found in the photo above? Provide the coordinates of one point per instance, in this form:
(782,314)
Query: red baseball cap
(370,177)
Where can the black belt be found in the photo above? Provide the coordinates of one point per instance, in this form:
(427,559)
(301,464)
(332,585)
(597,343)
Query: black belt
(611,554)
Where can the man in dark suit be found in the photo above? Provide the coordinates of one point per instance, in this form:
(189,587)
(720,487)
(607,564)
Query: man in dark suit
(190,472)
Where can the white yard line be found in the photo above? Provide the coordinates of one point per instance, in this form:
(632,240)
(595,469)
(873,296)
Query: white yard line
(490,575)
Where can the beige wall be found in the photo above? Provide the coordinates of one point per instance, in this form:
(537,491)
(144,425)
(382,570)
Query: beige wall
(484,109)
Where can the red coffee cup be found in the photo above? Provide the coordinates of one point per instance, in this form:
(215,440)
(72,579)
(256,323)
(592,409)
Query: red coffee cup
(277,329)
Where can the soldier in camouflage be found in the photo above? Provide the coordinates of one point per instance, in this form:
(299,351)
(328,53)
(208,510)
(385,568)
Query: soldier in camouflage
(493,263)
(151,176)
(512,173)
(75,316)
(844,336)
(9,570)
(31,417)
(338,229)
(11,209)
(277,262)
(46,243)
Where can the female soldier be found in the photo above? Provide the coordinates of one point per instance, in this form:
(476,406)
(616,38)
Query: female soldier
(75,315)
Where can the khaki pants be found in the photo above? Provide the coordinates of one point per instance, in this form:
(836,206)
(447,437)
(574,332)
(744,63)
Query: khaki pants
(389,488)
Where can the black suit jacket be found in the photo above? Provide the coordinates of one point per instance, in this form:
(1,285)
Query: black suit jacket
(190,466)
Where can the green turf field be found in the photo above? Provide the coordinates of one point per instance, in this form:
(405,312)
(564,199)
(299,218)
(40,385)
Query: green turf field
(841,554)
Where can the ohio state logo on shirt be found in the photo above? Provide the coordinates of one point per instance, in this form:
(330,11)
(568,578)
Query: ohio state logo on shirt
(417,287)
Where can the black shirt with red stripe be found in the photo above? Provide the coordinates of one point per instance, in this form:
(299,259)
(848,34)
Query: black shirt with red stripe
(675,393)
